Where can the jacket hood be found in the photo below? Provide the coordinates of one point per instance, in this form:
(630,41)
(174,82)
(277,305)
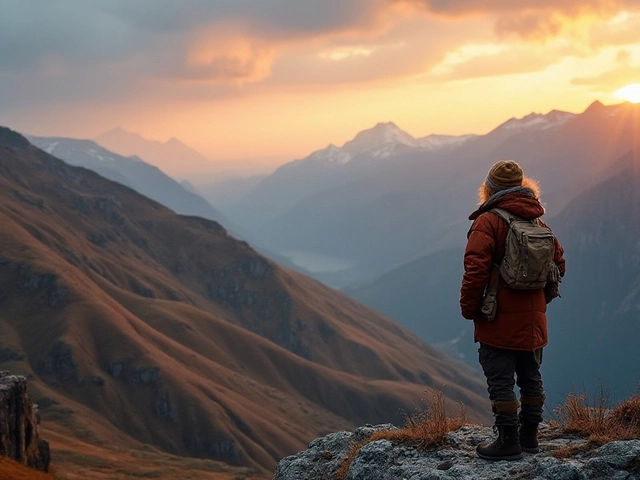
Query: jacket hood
(520,201)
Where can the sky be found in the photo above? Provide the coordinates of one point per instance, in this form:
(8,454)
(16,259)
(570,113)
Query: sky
(270,81)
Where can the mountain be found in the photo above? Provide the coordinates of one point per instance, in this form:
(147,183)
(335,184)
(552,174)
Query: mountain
(423,296)
(133,172)
(593,328)
(137,326)
(172,157)
(378,138)
(371,151)
(375,215)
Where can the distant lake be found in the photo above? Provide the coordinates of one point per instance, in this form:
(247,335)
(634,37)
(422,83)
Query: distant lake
(316,262)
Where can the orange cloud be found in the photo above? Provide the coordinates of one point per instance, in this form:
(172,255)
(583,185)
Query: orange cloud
(244,50)
(493,62)
(530,19)
(225,55)
(611,79)
(619,30)
(566,7)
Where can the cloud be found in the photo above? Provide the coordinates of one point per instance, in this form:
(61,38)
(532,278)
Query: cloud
(611,79)
(530,19)
(566,7)
(151,54)
(115,29)
(490,60)
(621,29)
(212,42)
(623,57)
(72,52)
(409,49)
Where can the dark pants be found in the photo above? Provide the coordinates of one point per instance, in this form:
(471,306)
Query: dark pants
(503,369)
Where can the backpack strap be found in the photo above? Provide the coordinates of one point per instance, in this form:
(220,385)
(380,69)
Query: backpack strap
(510,217)
(506,216)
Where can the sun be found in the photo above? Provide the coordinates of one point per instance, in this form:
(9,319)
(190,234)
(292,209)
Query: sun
(630,93)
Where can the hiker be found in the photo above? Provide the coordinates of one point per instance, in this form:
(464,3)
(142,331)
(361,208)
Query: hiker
(513,335)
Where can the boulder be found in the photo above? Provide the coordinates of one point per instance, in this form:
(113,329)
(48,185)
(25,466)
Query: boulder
(457,459)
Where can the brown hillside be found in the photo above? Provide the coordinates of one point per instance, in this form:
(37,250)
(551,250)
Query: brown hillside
(139,325)
(11,470)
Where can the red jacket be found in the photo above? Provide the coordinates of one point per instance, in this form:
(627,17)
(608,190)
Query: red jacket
(521,321)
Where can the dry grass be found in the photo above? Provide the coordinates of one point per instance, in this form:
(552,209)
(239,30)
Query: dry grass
(598,423)
(10,470)
(423,429)
(130,465)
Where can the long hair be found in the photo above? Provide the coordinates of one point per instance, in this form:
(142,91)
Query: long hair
(485,193)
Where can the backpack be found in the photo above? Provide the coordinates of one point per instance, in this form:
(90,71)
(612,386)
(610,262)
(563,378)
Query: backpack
(528,256)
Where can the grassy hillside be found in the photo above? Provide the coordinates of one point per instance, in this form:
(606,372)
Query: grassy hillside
(139,326)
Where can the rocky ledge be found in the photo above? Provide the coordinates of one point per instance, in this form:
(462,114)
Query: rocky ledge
(562,457)
(19,425)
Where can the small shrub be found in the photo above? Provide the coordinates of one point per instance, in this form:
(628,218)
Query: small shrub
(599,423)
(424,429)
(628,413)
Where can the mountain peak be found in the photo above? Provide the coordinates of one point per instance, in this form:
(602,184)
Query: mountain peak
(537,121)
(11,139)
(374,138)
(173,156)
(595,107)
(174,141)
(118,134)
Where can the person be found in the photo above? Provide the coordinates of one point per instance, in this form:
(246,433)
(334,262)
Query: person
(511,344)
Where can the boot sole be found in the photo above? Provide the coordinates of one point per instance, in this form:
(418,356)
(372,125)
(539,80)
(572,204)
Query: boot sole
(531,450)
(505,457)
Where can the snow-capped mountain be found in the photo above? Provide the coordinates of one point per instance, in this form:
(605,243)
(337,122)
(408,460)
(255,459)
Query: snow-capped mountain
(373,150)
(379,137)
(130,171)
(384,140)
(538,121)
(78,151)
(441,142)
(331,154)
(379,211)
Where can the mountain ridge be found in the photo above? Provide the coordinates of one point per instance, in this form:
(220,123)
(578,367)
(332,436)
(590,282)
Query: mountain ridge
(377,215)
(172,156)
(132,171)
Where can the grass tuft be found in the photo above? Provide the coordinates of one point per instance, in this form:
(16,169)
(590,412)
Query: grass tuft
(423,429)
(599,423)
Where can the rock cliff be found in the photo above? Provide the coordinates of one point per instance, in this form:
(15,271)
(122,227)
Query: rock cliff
(19,436)
(562,457)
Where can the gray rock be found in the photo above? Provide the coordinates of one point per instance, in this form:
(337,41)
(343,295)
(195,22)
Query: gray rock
(457,459)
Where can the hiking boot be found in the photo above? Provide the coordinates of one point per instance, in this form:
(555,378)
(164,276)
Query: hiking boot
(529,437)
(505,447)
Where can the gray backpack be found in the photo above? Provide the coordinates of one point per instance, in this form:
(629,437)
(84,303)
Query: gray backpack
(528,257)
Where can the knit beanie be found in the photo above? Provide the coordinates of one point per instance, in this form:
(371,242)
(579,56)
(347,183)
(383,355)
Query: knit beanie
(504,174)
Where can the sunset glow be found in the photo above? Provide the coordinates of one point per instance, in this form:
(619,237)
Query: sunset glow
(269,81)
(630,93)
